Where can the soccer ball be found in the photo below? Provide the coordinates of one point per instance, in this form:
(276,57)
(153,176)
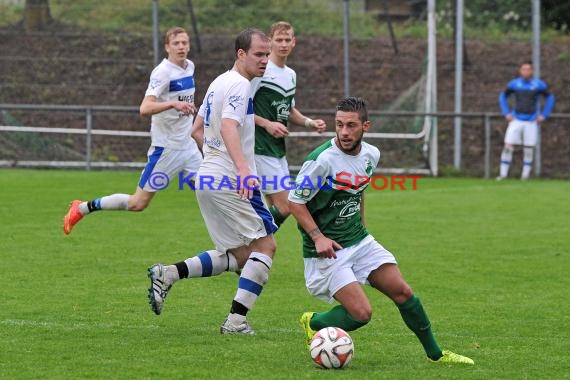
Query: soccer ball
(331,347)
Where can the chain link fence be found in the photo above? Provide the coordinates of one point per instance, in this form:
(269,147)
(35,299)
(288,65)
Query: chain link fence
(101,53)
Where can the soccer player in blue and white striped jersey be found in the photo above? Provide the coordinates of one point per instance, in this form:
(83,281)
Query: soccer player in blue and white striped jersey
(169,100)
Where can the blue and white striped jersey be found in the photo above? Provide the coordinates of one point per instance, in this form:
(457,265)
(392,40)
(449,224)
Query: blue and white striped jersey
(168,81)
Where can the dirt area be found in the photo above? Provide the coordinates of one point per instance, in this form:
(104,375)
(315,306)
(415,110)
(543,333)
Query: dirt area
(67,66)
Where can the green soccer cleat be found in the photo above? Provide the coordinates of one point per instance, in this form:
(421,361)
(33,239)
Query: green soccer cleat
(452,358)
(305,323)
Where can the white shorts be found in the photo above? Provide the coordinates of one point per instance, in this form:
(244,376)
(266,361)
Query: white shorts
(163,162)
(325,277)
(273,173)
(521,132)
(233,222)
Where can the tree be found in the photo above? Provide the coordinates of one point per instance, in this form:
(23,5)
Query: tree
(37,14)
(556,14)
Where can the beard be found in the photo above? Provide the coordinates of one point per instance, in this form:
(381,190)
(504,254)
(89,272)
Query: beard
(354,147)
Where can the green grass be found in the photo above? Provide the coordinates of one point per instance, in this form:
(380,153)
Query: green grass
(489,259)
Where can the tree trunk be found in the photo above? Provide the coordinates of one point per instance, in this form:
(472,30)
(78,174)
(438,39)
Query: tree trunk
(36,15)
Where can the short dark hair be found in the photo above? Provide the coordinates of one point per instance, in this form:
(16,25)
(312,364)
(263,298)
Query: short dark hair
(526,63)
(243,40)
(354,104)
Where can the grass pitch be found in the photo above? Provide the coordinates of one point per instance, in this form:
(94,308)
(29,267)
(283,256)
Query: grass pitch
(489,260)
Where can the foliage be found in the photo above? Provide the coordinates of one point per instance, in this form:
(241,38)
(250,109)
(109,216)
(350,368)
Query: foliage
(491,19)
(557,14)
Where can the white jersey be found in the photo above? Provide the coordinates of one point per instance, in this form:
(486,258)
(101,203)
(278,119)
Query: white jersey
(228,97)
(170,128)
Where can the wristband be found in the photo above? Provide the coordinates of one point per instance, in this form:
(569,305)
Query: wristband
(314,232)
(308,122)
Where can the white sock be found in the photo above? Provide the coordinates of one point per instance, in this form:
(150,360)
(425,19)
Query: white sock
(110,202)
(254,276)
(527,161)
(210,263)
(506,158)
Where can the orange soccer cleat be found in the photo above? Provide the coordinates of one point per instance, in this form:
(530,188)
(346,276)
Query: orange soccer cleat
(72,217)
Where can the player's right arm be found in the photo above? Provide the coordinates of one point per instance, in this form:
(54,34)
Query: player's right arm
(324,246)
(274,128)
(232,141)
(151,106)
(304,191)
(159,84)
(504,102)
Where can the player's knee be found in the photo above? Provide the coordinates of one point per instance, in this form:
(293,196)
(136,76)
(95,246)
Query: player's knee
(508,149)
(362,313)
(138,205)
(402,294)
(407,292)
(265,245)
(284,209)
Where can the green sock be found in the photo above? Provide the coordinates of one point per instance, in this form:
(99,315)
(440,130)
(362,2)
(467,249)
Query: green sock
(338,316)
(416,319)
(277,216)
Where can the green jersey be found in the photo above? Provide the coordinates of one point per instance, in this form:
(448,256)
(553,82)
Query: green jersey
(274,96)
(330,183)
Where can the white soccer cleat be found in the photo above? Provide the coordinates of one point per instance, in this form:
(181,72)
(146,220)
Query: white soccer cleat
(159,287)
(243,328)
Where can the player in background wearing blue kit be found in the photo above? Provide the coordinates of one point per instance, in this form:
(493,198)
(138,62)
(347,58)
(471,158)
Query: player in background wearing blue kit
(524,118)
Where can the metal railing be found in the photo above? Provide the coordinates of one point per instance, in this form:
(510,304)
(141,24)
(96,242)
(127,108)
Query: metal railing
(89,131)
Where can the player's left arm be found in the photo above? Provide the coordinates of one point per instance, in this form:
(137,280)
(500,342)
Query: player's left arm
(296,117)
(548,104)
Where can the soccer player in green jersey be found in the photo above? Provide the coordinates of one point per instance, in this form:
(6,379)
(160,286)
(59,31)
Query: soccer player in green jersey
(339,253)
(274,105)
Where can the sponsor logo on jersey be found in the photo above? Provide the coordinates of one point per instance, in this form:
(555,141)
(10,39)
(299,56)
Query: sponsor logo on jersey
(276,103)
(186,98)
(349,210)
(236,101)
(283,112)
(213,142)
(302,193)
(154,83)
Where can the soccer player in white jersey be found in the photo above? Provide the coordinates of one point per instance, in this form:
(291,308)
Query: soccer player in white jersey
(339,253)
(238,222)
(169,98)
(274,105)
